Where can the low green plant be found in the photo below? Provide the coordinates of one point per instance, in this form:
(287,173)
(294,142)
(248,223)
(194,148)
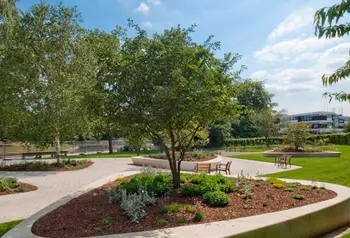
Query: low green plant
(160,222)
(229,214)
(174,207)
(164,210)
(8,184)
(306,188)
(189,208)
(278,185)
(293,185)
(216,198)
(107,220)
(289,189)
(98,229)
(190,190)
(298,197)
(198,217)
(181,220)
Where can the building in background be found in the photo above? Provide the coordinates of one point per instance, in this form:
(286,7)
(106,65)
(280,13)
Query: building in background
(320,122)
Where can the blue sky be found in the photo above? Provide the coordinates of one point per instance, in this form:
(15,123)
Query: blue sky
(275,38)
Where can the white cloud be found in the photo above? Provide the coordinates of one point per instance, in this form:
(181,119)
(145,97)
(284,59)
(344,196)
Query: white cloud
(148,24)
(143,8)
(292,23)
(290,49)
(155,2)
(300,79)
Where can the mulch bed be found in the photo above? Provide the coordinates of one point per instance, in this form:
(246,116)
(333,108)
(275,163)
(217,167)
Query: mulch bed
(25,187)
(188,157)
(51,169)
(83,216)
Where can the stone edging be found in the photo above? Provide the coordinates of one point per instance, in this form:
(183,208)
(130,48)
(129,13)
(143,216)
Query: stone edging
(271,153)
(307,221)
(164,164)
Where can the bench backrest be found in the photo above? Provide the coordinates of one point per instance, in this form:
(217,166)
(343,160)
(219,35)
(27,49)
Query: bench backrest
(203,167)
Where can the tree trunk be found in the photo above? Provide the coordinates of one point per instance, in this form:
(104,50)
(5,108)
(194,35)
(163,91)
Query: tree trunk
(110,143)
(176,179)
(267,142)
(58,147)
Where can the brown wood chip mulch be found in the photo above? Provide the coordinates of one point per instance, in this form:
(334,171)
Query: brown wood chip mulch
(86,215)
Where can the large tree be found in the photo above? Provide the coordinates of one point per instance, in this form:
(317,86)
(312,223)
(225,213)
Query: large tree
(327,24)
(266,123)
(253,97)
(106,49)
(175,89)
(47,69)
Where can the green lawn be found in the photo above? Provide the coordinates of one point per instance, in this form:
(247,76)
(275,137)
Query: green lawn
(251,149)
(346,236)
(332,170)
(114,155)
(5,227)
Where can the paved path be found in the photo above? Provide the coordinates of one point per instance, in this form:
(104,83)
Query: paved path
(55,185)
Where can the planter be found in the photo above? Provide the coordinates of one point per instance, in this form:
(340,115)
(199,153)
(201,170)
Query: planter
(328,154)
(164,164)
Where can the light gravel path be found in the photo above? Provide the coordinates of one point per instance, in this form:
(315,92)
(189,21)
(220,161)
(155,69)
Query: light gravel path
(55,185)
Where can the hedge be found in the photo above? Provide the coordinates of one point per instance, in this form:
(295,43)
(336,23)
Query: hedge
(338,139)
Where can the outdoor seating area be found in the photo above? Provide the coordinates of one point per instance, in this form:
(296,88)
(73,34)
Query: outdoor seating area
(283,161)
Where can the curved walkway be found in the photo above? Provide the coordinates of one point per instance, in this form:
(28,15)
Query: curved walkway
(55,185)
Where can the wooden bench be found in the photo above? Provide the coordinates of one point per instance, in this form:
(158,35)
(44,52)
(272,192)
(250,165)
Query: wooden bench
(39,155)
(203,168)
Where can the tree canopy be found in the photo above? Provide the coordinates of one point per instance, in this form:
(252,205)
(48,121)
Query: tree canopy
(175,88)
(46,69)
(327,24)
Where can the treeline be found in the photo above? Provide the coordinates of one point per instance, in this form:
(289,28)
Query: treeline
(338,139)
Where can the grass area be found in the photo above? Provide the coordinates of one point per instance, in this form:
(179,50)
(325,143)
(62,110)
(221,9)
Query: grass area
(18,148)
(114,155)
(5,227)
(250,149)
(331,170)
(346,235)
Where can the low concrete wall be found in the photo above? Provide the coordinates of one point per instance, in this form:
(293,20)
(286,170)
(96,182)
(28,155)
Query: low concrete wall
(164,164)
(328,154)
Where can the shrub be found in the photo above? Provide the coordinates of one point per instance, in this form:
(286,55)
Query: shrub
(107,220)
(133,206)
(306,188)
(298,196)
(184,177)
(164,210)
(160,222)
(293,185)
(228,187)
(157,185)
(199,217)
(278,185)
(7,184)
(189,208)
(209,186)
(174,207)
(229,214)
(181,219)
(198,179)
(190,190)
(216,198)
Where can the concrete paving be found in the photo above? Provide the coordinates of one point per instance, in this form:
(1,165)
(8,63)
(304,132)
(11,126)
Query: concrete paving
(55,185)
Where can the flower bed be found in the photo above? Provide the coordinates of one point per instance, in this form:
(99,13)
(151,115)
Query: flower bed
(147,202)
(11,186)
(46,166)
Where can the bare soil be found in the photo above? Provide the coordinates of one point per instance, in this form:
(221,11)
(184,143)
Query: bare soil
(24,187)
(86,215)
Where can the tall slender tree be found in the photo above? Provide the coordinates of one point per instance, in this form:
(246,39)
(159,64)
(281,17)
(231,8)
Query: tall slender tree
(48,70)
